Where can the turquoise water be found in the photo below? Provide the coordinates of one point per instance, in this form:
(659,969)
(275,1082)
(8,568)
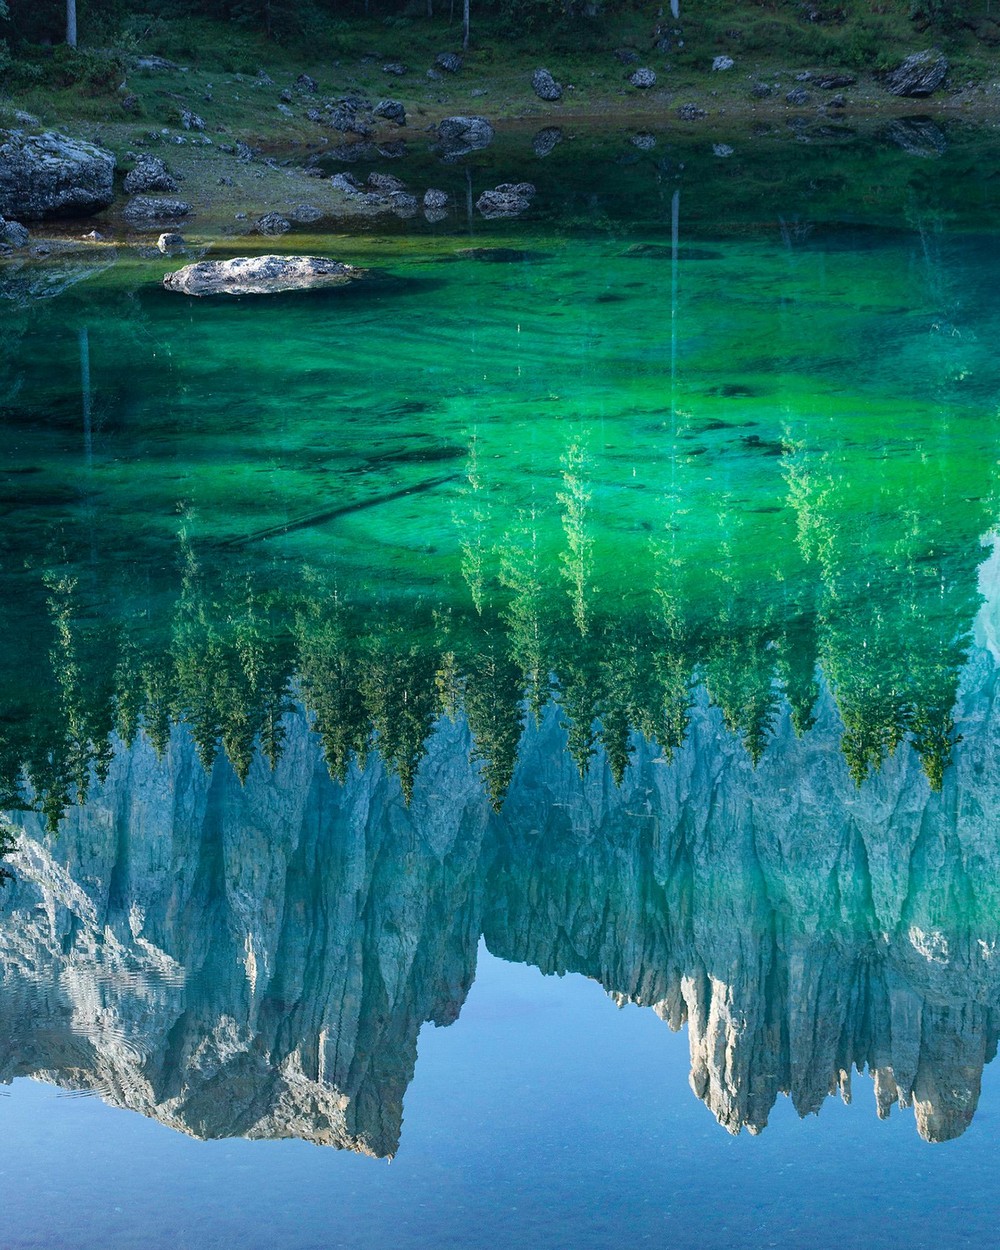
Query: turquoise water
(617,600)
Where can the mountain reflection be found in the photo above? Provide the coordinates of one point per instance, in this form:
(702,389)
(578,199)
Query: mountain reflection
(256,957)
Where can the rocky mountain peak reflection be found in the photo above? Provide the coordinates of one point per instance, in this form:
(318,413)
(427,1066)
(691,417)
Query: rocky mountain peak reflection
(258,958)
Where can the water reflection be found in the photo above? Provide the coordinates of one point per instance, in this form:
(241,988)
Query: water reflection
(256,957)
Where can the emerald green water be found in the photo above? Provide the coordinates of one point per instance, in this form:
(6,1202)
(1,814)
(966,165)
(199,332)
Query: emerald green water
(623,581)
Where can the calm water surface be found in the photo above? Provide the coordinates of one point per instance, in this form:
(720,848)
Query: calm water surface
(530,717)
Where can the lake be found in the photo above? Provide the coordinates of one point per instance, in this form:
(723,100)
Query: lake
(529,717)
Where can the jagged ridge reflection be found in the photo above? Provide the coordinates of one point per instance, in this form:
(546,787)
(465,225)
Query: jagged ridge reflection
(258,958)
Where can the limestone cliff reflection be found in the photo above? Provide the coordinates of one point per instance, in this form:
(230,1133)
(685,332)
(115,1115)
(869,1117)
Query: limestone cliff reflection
(258,958)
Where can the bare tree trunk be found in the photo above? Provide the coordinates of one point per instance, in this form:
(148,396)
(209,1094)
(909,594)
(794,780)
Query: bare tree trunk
(465,25)
(430,8)
(675,9)
(71,23)
(88,433)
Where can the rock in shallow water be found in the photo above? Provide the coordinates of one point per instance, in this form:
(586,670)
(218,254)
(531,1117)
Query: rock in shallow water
(50,175)
(261,275)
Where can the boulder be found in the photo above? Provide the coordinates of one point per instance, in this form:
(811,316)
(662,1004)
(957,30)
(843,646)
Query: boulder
(346,183)
(690,113)
(761,90)
(260,275)
(450,62)
(833,82)
(435,199)
(920,74)
(386,182)
(307,84)
(146,212)
(459,135)
(391,110)
(305,214)
(798,96)
(149,174)
(545,86)
(396,68)
(644,142)
(50,175)
(272,223)
(546,140)
(723,62)
(13,234)
(509,199)
(170,243)
(191,121)
(403,204)
(643,78)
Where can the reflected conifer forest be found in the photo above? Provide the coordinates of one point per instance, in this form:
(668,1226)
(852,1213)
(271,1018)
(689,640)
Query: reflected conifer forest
(627,600)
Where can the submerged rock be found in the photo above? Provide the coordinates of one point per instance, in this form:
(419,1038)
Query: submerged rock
(920,74)
(50,175)
(261,275)
(435,199)
(170,243)
(545,86)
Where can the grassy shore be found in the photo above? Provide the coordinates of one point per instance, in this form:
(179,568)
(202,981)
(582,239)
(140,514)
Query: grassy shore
(245,90)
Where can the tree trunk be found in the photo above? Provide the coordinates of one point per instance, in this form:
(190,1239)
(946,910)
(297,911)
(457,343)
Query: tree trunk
(71,23)
(465,25)
(430,8)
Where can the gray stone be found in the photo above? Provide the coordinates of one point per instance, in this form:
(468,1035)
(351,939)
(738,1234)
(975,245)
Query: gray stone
(260,275)
(761,90)
(509,199)
(385,182)
(643,78)
(146,212)
(13,234)
(305,214)
(396,68)
(723,62)
(545,86)
(272,223)
(722,149)
(403,204)
(450,62)
(459,135)
(346,183)
(435,199)
(644,142)
(831,82)
(170,243)
(305,83)
(155,63)
(191,121)
(798,96)
(919,75)
(149,174)
(691,113)
(50,175)
(391,111)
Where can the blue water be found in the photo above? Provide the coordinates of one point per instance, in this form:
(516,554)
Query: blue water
(545,1117)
